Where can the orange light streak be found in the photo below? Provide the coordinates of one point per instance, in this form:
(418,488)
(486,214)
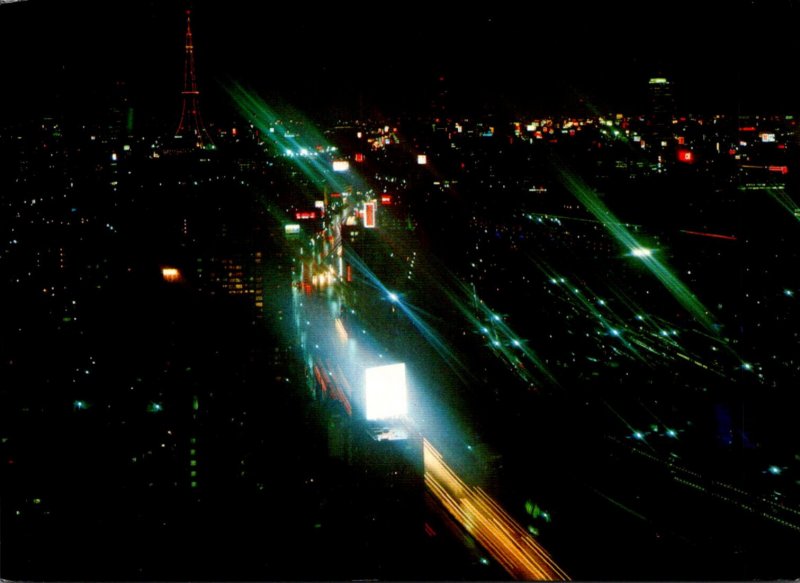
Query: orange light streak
(494,529)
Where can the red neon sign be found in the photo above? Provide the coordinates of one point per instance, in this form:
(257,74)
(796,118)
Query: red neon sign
(369,215)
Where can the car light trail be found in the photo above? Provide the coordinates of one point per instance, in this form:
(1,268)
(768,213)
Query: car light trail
(496,531)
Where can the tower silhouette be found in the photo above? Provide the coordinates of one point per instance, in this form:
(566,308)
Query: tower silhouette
(191,122)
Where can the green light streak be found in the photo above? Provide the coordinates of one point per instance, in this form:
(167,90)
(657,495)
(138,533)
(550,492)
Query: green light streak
(785,201)
(676,288)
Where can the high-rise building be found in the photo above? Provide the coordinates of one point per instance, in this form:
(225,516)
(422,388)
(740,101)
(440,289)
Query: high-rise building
(662,110)
(239,274)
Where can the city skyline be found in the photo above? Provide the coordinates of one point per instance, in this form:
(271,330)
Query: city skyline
(351,59)
(421,295)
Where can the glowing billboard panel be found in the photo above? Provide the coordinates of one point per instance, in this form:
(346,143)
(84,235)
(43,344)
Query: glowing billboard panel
(341,165)
(422,159)
(387,396)
(291,229)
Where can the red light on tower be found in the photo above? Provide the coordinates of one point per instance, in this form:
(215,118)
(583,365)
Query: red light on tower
(685,156)
(191,123)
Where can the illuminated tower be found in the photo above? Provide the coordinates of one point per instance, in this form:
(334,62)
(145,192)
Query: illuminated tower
(191,123)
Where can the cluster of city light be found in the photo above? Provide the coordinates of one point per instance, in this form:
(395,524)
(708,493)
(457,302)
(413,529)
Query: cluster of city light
(318,169)
(643,336)
(495,530)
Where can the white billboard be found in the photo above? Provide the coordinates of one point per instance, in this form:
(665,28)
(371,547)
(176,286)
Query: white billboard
(387,395)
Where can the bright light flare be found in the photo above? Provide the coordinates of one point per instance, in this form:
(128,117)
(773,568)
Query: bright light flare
(641,252)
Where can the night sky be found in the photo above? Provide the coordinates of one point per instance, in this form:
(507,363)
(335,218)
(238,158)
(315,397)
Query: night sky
(369,58)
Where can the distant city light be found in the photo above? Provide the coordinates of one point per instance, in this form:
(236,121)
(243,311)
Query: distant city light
(422,159)
(774,470)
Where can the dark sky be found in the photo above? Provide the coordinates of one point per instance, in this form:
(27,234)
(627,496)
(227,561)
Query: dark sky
(385,57)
